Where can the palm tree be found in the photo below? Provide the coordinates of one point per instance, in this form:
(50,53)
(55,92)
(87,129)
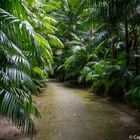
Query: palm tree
(23,53)
(118,16)
(114,29)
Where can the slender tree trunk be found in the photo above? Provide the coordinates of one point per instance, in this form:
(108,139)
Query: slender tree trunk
(127,55)
(113,51)
(135,48)
(137,64)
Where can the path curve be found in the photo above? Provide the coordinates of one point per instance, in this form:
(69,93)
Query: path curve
(73,114)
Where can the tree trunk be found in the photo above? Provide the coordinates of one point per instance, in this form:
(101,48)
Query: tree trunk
(135,48)
(127,53)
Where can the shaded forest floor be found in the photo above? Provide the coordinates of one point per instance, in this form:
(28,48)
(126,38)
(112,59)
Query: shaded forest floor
(10,132)
(76,114)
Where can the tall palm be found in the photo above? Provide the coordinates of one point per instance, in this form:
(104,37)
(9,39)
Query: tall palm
(114,28)
(118,16)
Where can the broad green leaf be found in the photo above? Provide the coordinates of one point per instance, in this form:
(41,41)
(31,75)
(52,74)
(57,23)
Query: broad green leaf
(54,41)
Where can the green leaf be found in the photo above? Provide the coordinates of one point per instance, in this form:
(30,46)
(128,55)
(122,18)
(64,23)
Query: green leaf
(54,41)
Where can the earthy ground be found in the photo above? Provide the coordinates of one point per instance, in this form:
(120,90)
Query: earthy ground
(9,132)
(74,114)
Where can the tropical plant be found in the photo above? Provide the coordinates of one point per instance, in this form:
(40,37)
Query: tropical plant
(133,95)
(26,57)
(101,44)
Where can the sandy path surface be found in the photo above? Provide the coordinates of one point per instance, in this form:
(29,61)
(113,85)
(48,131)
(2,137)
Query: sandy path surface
(10,132)
(75,114)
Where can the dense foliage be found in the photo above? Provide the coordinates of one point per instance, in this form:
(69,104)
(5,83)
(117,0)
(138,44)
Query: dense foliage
(102,42)
(26,33)
(102,50)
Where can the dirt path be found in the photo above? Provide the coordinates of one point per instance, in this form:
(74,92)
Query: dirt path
(72,114)
(10,132)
